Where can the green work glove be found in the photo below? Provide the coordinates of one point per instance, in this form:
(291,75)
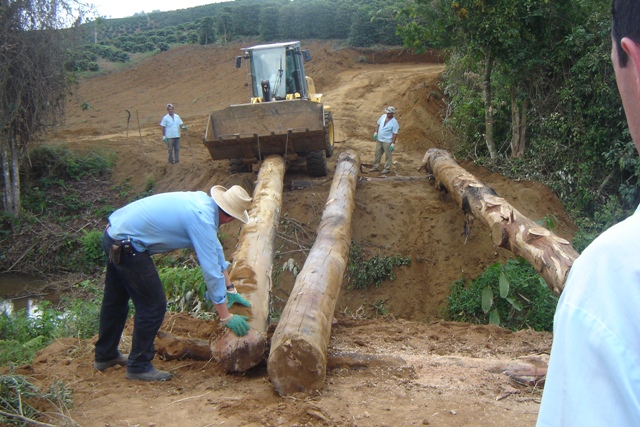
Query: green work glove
(238,325)
(391,147)
(184,128)
(165,139)
(375,136)
(233,297)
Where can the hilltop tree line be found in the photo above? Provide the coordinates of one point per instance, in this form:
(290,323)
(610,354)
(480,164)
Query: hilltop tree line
(360,23)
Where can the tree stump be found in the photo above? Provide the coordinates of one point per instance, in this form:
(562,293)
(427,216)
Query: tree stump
(298,358)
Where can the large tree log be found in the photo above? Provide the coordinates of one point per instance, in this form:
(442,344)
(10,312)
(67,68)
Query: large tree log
(251,271)
(298,358)
(550,255)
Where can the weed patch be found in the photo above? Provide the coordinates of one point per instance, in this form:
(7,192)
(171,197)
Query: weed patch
(512,295)
(364,273)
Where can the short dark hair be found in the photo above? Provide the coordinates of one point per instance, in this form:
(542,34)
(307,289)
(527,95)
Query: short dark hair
(625,23)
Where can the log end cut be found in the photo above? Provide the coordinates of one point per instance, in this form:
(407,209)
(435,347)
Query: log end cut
(297,366)
(239,354)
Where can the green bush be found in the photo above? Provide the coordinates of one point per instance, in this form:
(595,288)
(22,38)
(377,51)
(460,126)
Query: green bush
(94,255)
(185,289)
(55,164)
(512,295)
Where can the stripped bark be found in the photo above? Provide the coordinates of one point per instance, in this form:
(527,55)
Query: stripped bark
(298,358)
(251,271)
(550,255)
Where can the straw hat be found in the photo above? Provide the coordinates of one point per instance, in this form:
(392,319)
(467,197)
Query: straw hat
(234,201)
(390,109)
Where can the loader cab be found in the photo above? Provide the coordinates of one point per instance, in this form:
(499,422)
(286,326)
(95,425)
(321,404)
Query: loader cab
(276,71)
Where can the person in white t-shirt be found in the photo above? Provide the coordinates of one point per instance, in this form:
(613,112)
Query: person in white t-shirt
(171,124)
(594,369)
(386,133)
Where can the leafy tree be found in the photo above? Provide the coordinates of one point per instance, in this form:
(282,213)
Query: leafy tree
(268,20)
(224,25)
(34,80)
(363,31)
(207,35)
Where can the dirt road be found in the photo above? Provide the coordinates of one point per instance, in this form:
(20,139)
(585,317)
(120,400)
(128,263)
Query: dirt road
(422,371)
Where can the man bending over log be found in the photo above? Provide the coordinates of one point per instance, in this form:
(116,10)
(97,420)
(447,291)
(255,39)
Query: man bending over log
(157,224)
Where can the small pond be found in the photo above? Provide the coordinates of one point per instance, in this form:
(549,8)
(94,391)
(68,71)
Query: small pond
(19,292)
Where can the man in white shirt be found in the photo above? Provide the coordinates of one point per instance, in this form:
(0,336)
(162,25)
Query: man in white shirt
(594,370)
(171,124)
(386,133)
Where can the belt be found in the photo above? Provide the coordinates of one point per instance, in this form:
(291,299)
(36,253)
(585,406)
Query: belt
(119,248)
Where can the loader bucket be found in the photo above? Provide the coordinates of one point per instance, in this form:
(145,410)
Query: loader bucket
(253,131)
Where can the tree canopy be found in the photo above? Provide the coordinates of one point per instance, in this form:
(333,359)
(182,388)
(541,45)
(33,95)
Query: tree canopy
(34,80)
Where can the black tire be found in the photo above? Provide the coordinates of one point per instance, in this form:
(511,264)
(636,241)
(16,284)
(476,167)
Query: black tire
(317,163)
(238,166)
(329,137)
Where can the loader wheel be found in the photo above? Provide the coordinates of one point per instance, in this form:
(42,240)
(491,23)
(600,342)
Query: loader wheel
(238,166)
(328,133)
(317,163)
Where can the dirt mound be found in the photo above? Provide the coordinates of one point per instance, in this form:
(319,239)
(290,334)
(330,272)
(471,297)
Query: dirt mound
(426,372)
(385,373)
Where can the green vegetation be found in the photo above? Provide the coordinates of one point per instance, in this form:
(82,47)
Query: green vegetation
(541,73)
(512,295)
(22,403)
(23,335)
(58,191)
(185,289)
(66,200)
(365,273)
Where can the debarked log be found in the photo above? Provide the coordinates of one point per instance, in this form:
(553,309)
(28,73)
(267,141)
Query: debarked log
(550,255)
(298,357)
(250,271)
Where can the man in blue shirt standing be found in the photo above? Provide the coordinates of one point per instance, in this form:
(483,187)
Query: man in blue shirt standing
(171,124)
(386,133)
(157,224)
(594,368)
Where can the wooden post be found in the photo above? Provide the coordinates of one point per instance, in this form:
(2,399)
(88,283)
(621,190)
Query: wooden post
(550,255)
(298,357)
(251,271)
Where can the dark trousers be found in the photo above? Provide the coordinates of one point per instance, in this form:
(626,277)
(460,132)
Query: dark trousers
(135,278)
(173,149)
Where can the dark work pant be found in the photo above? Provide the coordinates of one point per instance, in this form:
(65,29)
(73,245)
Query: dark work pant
(135,278)
(173,149)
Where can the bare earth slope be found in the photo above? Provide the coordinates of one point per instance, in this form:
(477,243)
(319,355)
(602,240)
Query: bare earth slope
(423,371)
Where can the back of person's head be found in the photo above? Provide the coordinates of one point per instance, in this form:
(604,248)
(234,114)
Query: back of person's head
(625,23)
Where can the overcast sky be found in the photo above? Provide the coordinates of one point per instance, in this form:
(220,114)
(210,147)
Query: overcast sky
(124,8)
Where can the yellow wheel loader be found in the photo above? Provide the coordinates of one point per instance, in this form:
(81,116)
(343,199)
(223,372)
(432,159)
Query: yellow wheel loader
(285,116)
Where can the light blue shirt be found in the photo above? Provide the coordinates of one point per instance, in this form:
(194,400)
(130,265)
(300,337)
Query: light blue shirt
(594,369)
(386,132)
(171,125)
(170,221)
